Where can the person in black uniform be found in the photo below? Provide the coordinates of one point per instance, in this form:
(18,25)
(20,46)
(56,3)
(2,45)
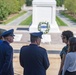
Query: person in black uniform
(33,58)
(6,53)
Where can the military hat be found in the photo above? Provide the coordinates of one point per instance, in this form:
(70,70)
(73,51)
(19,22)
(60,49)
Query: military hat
(8,33)
(37,34)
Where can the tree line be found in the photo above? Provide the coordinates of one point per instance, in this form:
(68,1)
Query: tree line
(8,7)
(70,5)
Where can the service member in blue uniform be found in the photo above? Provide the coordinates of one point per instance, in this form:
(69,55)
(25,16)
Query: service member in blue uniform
(33,58)
(6,53)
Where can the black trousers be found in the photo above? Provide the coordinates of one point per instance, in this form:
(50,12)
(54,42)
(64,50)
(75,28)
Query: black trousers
(70,73)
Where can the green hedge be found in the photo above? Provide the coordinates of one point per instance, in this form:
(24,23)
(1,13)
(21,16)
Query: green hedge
(70,5)
(29,2)
(8,7)
(59,2)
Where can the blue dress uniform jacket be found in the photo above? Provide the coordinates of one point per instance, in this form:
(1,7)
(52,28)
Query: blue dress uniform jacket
(1,41)
(6,58)
(34,60)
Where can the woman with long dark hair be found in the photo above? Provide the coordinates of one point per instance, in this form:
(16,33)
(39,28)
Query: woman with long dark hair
(70,60)
(65,37)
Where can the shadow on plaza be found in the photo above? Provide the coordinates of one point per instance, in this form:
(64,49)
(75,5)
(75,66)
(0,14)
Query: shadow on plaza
(23,29)
(48,51)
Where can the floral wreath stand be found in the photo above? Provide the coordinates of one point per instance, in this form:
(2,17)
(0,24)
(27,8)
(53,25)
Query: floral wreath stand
(45,27)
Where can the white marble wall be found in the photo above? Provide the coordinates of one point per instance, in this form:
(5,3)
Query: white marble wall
(44,11)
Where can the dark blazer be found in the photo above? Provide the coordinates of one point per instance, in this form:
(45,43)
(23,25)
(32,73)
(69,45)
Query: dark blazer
(6,58)
(34,60)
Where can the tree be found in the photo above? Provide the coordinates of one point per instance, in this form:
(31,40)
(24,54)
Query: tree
(59,2)
(70,5)
(21,2)
(29,2)
(3,10)
(8,7)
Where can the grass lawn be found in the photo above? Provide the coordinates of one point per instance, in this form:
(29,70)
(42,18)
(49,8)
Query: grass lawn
(60,22)
(28,21)
(68,16)
(14,17)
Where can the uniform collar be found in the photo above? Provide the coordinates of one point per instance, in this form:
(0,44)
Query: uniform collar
(6,42)
(33,45)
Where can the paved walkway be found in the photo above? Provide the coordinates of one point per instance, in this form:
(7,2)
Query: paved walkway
(63,18)
(20,19)
(66,20)
(29,9)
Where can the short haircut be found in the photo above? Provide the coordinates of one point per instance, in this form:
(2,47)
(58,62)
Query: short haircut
(67,34)
(72,45)
(33,38)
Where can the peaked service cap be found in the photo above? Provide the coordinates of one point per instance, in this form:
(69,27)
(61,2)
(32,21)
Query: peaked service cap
(37,34)
(8,33)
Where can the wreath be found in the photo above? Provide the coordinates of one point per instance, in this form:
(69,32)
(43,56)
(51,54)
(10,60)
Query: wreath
(46,24)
